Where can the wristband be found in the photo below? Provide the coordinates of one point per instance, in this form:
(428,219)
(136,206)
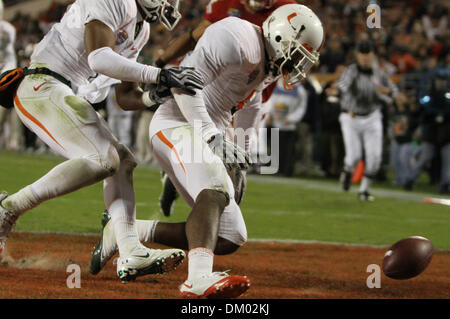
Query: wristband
(146,99)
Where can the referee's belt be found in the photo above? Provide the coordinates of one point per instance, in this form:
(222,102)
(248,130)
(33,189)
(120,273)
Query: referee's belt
(353,114)
(47,71)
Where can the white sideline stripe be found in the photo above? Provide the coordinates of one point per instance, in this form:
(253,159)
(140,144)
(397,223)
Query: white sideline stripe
(335,187)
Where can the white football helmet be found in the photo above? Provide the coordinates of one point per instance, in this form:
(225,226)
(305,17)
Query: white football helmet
(259,4)
(293,36)
(166,11)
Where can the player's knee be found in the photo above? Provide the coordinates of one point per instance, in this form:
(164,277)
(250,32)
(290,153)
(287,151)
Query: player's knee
(213,197)
(117,157)
(127,158)
(111,161)
(108,161)
(373,167)
(225,247)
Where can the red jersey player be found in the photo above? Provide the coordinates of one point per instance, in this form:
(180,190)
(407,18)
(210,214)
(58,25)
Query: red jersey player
(253,11)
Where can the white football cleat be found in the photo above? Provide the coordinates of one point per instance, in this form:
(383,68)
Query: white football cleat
(7,222)
(145,261)
(106,246)
(217,285)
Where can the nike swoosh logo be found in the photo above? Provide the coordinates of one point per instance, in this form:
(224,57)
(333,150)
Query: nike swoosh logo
(142,256)
(36,88)
(188,286)
(133,48)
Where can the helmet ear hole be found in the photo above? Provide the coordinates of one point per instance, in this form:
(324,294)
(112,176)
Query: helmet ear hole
(278,38)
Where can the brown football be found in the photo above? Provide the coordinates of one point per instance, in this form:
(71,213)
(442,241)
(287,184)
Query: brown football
(408,257)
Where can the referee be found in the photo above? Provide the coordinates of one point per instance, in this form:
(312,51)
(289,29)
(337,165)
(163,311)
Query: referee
(363,90)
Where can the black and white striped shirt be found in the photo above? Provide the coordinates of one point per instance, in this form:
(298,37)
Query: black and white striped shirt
(359,90)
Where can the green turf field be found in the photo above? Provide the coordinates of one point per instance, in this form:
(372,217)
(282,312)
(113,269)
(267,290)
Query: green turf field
(274,208)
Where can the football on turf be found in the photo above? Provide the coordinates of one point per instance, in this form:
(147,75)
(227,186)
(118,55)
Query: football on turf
(408,257)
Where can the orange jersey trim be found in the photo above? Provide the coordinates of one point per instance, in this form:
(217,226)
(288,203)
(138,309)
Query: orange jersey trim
(34,120)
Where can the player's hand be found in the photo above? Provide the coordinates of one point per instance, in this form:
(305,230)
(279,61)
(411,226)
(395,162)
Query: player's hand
(232,155)
(157,94)
(332,91)
(383,90)
(184,78)
(239,179)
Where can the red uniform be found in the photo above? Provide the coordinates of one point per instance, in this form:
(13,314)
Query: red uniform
(219,9)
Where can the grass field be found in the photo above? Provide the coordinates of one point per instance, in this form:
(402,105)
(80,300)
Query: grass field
(274,208)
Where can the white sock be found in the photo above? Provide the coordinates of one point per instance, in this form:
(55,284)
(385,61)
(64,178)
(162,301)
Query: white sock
(365,184)
(200,262)
(146,230)
(120,202)
(20,202)
(126,234)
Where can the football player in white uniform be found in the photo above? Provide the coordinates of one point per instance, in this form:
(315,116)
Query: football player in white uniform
(235,58)
(95,44)
(8,61)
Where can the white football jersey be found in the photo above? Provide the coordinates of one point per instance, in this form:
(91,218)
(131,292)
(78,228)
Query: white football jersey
(63,49)
(231,58)
(8,59)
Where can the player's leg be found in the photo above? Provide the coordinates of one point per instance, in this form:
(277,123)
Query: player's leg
(60,120)
(352,146)
(373,147)
(168,196)
(135,259)
(206,186)
(71,127)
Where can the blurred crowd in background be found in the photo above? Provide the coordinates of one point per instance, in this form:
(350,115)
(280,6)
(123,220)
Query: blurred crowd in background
(411,46)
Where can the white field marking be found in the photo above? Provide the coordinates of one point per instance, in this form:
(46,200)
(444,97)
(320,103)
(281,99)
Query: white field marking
(335,187)
(340,216)
(252,240)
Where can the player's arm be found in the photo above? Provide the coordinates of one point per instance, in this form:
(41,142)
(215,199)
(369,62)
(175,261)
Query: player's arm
(344,82)
(99,41)
(182,44)
(129,96)
(248,117)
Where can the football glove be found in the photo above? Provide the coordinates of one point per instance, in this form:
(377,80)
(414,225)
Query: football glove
(239,179)
(232,155)
(156,93)
(184,78)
